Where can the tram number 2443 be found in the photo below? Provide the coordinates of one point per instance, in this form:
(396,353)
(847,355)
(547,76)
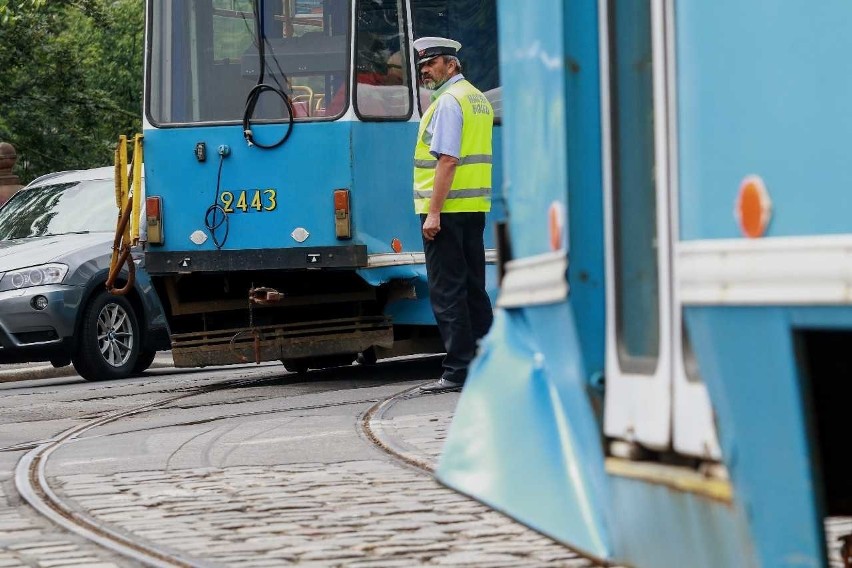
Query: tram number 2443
(246,200)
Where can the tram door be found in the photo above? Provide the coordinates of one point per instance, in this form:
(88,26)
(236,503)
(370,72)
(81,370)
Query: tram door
(654,396)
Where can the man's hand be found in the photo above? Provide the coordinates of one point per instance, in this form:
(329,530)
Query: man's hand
(445,170)
(431,226)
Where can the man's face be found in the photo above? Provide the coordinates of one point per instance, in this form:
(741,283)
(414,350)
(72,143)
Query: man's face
(435,73)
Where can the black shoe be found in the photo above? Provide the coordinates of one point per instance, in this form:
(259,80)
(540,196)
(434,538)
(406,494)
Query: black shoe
(441,385)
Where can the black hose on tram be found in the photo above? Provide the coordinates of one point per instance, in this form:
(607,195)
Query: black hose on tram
(261,87)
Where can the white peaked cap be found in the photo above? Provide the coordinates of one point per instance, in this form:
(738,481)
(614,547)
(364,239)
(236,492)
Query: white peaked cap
(428,48)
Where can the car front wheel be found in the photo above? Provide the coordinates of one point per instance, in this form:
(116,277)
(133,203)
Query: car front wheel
(145,359)
(109,341)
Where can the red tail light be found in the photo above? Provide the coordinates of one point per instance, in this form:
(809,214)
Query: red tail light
(154,220)
(342,218)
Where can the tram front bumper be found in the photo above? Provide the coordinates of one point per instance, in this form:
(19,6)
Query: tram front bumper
(279,342)
(342,257)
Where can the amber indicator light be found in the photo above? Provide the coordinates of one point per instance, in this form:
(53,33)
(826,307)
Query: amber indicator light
(555,224)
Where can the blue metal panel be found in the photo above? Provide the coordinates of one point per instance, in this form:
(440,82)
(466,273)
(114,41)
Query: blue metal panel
(413,312)
(382,199)
(748,362)
(821,317)
(417,311)
(382,194)
(525,439)
(762,89)
(383,209)
(532,64)
(551,76)
(585,197)
(660,527)
(304,172)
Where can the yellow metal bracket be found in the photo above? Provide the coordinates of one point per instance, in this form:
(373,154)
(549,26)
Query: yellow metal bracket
(128,195)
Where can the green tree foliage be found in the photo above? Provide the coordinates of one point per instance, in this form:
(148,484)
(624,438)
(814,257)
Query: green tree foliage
(71,80)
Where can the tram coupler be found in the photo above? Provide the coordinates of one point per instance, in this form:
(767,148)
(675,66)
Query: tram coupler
(265,295)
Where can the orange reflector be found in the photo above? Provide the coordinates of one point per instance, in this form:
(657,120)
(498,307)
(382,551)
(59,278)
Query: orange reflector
(556,224)
(396,245)
(154,220)
(753,209)
(342,222)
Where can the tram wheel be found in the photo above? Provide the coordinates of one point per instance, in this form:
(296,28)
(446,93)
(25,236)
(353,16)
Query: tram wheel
(367,357)
(323,362)
(297,366)
(327,361)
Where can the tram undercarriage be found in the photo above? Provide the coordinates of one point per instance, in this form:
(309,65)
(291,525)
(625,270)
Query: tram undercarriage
(304,319)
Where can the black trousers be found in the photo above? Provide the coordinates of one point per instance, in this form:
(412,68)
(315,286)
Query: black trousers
(455,266)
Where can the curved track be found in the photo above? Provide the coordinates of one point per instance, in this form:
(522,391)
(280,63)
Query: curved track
(31,480)
(371,425)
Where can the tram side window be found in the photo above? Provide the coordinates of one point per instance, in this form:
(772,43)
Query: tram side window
(382,77)
(205,58)
(634,191)
(474,24)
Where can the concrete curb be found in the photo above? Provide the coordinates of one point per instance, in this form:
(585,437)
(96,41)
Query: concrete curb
(41,370)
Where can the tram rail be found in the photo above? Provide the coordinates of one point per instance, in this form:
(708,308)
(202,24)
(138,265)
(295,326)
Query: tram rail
(372,427)
(32,483)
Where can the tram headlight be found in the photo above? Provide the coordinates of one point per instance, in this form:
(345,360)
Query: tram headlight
(33,276)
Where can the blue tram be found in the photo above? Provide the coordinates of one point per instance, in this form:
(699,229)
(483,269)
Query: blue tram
(665,380)
(279,139)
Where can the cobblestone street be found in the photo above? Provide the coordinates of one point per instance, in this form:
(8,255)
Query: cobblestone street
(372,510)
(359,514)
(24,543)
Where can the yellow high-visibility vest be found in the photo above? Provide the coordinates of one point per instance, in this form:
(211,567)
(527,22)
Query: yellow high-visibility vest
(471,187)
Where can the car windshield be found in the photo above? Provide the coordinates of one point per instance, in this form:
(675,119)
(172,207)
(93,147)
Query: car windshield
(75,207)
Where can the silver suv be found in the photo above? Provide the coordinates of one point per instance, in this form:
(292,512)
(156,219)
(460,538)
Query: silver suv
(55,245)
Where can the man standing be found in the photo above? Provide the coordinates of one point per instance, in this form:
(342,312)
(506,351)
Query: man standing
(452,193)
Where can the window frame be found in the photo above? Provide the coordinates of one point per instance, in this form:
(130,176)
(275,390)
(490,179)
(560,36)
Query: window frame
(405,51)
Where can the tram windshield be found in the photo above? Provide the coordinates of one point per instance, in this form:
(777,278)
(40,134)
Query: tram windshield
(204,59)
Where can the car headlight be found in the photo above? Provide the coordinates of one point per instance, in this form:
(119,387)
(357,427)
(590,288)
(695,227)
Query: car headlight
(33,276)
